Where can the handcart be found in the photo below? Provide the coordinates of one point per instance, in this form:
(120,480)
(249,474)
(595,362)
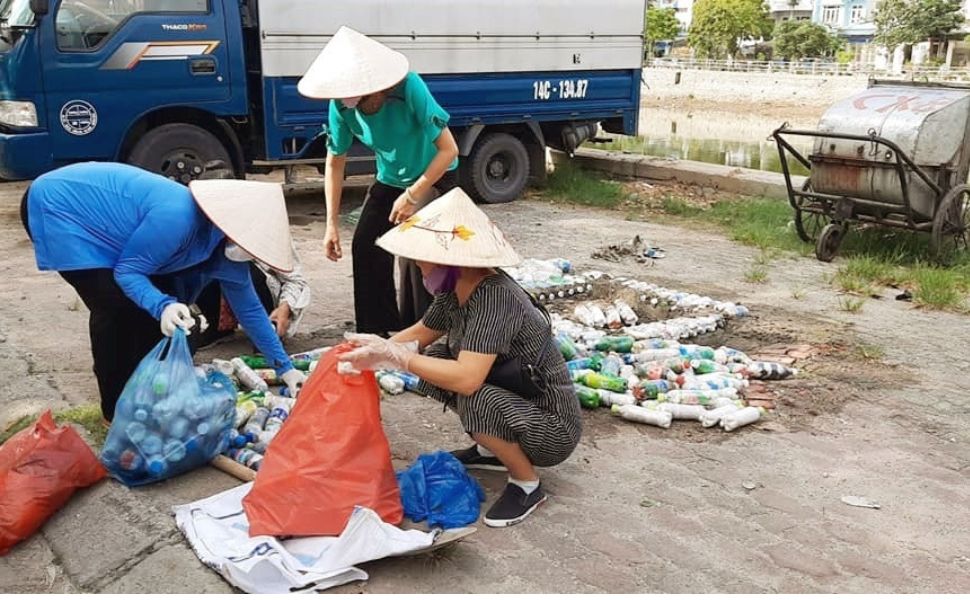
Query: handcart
(895,155)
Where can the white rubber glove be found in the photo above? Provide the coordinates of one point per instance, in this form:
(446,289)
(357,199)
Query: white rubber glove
(380,355)
(176,315)
(294,380)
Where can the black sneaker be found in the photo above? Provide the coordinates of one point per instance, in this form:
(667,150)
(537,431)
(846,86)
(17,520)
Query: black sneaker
(513,506)
(473,460)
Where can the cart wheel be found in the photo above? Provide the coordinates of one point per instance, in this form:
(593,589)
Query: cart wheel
(950,223)
(828,242)
(808,224)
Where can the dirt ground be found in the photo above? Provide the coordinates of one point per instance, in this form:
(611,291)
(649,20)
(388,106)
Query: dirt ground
(879,411)
(807,111)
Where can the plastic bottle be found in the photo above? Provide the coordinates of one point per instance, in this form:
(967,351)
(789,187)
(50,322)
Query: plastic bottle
(740,418)
(714,416)
(649,390)
(651,370)
(612,365)
(722,401)
(656,354)
(566,346)
(604,382)
(390,383)
(152,444)
(136,432)
(244,411)
(276,419)
(704,366)
(608,398)
(588,397)
(268,375)
(627,315)
(677,365)
(237,440)
(612,314)
(173,451)
(155,465)
(578,364)
(619,343)
(177,428)
(599,317)
(257,421)
(160,384)
(224,366)
(699,397)
(627,371)
(130,460)
(684,412)
(769,370)
(640,414)
(584,315)
(248,377)
(255,361)
(695,352)
(410,380)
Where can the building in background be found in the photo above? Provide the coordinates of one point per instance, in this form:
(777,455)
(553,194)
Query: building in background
(796,10)
(685,11)
(851,19)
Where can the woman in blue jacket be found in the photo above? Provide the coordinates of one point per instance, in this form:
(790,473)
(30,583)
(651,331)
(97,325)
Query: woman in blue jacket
(138,248)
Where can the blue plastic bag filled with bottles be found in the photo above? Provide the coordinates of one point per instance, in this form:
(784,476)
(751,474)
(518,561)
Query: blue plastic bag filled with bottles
(171,417)
(437,488)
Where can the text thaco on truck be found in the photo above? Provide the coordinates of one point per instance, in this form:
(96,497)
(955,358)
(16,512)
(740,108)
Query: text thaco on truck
(172,84)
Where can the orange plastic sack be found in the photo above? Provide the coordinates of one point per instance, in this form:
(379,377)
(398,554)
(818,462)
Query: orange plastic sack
(40,468)
(330,455)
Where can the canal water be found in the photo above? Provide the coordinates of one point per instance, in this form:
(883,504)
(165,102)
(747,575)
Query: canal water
(722,138)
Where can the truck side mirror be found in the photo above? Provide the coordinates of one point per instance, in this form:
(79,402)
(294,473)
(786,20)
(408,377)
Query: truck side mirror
(40,7)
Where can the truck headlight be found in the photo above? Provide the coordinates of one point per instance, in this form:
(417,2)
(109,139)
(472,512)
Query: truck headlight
(18,114)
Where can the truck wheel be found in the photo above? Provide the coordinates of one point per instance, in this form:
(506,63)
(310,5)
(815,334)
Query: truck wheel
(178,151)
(498,169)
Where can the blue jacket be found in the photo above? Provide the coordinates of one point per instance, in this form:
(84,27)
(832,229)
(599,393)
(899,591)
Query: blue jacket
(114,216)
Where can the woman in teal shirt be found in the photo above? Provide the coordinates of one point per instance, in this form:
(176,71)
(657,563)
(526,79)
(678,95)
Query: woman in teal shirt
(377,100)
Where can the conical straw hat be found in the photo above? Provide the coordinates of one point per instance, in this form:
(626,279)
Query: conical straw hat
(252,214)
(351,65)
(451,231)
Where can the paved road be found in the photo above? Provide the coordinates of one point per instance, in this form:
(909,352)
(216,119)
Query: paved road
(635,509)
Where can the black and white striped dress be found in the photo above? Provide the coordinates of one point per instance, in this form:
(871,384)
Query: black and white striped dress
(500,319)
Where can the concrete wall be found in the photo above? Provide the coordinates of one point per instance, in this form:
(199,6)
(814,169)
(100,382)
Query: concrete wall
(727,86)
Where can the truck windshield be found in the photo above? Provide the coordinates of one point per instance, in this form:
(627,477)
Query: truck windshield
(16,13)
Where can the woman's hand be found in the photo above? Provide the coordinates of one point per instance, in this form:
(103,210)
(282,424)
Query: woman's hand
(331,243)
(373,353)
(281,318)
(403,207)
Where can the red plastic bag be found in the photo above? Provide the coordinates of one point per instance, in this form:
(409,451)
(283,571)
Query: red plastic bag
(330,455)
(40,468)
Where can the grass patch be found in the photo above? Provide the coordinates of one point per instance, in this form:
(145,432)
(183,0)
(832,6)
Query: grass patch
(569,183)
(756,274)
(870,352)
(851,304)
(939,288)
(88,416)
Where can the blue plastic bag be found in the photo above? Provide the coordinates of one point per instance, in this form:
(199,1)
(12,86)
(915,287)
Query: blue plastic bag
(437,488)
(171,417)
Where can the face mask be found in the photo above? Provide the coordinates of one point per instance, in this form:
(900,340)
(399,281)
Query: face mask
(237,254)
(351,102)
(441,280)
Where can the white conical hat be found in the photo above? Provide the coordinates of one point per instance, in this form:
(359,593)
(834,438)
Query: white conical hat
(351,65)
(451,231)
(252,214)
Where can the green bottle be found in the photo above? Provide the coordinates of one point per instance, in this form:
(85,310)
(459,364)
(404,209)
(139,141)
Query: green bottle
(566,346)
(587,398)
(604,382)
(615,343)
(596,361)
(254,361)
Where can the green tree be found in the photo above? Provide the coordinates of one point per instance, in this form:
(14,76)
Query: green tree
(662,24)
(719,26)
(905,22)
(794,40)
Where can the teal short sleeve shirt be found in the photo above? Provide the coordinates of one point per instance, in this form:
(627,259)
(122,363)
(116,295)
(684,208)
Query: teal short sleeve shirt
(401,134)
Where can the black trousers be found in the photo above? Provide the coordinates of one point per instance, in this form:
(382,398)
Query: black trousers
(121,332)
(376,310)
(209,302)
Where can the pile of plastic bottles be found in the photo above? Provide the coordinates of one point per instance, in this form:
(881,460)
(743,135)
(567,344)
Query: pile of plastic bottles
(166,428)
(657,381)
(684,301)
(550,279)
(397,382)
(260,413)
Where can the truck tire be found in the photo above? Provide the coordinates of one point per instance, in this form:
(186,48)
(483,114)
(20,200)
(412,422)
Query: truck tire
(497,169)
(178,151)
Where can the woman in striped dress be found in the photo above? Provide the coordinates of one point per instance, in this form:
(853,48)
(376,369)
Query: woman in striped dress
(489,321)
